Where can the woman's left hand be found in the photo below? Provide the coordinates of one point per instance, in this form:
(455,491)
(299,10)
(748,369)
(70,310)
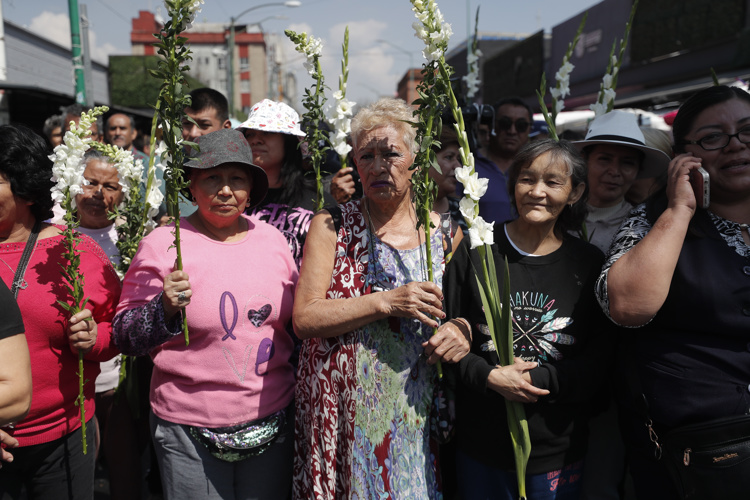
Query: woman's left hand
(9,441)
(82,332)
(450,344)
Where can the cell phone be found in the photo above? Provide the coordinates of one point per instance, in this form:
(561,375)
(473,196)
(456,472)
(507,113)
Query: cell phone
(699,181)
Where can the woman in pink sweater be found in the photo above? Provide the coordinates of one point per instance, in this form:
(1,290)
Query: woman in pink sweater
(222,406)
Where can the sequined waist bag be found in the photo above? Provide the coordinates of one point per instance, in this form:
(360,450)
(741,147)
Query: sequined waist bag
(241,441)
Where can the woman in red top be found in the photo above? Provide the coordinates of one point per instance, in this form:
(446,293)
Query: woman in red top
(49,461)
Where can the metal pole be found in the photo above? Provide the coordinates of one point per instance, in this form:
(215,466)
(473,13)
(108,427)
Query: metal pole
(230,67)
(86,57)
(232,20)
(75,38)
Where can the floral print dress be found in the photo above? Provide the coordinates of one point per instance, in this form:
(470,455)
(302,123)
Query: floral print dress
(364,398)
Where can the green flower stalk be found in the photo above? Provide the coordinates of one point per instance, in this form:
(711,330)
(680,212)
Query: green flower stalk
(562,84)
(548,117)
(433,98)
(170,109)
(472,79)
(317,142)
(67,173)
(605,101)
(340,115)
(436,95)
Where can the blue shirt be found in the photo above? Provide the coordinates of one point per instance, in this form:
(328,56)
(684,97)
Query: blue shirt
(495,205)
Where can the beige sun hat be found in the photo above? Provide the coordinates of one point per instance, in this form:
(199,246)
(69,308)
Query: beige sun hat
(272,116)
(621,128)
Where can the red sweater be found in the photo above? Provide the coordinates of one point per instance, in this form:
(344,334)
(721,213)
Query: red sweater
(54,366)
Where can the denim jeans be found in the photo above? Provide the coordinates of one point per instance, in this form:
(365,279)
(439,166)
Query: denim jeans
(477,481)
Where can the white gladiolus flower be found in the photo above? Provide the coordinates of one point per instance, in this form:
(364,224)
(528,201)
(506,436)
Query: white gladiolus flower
(607,81)
(559,106)
(475,187)
(342,148)
(609,95)
(598,108)
(463,173)
(481,233)
(467,207)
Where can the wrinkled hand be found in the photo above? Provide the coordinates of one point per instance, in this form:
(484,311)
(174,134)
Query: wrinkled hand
(513,382)
(6,441)
(679,191)
(82,332)
(175,283)
(418,299)
(342,185)
(450,344)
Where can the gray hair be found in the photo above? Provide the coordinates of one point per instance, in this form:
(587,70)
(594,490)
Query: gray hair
(571,217)
(386,112)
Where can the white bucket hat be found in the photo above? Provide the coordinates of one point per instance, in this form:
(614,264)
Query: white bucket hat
(621,128)
(272,116)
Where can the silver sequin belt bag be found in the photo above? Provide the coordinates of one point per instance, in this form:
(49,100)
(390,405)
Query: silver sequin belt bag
(241,441)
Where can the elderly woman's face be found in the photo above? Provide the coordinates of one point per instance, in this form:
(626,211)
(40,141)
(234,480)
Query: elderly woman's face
(221,193)
(729,167)
(100,196)
(383,161)
(612,170)
(543,189)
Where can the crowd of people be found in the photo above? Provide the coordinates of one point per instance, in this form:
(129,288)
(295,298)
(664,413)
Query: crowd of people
(325,363)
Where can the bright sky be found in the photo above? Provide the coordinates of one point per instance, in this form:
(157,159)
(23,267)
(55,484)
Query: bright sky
(374,67)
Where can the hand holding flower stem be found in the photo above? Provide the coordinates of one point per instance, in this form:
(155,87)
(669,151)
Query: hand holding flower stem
(497,313)
(175,56)
(67,173)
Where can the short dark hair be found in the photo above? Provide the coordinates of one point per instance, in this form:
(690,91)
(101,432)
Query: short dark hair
(571,218)
(130,117)
(514,101)
(24,161)
(51,124)
(696,104)
(205,98)
(76,109)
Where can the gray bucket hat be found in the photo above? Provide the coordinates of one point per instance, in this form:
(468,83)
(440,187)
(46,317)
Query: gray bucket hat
(230,146)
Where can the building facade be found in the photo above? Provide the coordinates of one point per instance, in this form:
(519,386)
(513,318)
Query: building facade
(209,43)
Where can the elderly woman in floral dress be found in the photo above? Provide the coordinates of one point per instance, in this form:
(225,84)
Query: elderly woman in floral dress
(365,385)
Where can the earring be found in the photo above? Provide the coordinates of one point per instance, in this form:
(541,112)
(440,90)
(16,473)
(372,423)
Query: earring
(195,203)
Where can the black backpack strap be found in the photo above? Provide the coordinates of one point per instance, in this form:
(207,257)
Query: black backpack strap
(335,212)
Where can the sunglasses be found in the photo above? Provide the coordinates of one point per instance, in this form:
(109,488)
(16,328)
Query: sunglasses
(504,123)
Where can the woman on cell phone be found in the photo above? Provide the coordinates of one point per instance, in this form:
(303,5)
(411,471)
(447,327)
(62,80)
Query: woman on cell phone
(678,275)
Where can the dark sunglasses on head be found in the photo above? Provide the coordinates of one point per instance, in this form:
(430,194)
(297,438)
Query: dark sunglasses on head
(504,123)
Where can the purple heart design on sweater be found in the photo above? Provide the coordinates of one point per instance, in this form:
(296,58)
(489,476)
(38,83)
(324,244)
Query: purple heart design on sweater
(257,317)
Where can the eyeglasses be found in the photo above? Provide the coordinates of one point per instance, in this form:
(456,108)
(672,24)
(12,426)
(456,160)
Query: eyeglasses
(717,140)
(504,123)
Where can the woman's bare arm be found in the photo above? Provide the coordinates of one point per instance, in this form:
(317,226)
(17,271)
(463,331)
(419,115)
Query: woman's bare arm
(316,316)
(15,379)
(638,282)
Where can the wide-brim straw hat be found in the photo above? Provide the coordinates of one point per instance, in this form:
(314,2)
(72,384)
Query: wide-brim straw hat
(621,128)
(272,116)
(230,146)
